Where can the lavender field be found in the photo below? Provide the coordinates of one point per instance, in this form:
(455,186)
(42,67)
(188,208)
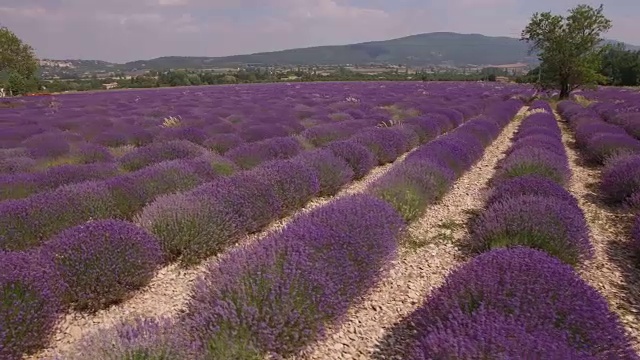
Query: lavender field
(375,220)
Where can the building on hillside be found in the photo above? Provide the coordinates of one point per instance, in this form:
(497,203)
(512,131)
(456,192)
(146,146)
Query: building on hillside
(110,86)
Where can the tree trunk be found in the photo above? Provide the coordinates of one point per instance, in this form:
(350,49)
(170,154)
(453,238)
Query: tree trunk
(564,90)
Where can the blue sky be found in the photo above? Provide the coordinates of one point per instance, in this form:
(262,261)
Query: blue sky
(124,30)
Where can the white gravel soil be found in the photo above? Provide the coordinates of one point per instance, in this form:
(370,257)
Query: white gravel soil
(612,271)
(373,329)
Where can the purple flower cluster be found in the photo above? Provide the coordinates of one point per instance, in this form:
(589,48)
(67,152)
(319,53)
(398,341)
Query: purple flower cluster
(599,140)
(277,295)
(158,152)
(529,185)
(621,180)
(331,171)
(360,159)
(387,144)
(537,150)
(251,155)
(31,294)
(20,185)
(517,303)
(103,261)
(541,222)
(26,223)
(221,143)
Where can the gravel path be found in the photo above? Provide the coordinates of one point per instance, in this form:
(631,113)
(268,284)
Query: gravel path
(168,291)
(374,328)
(612,271)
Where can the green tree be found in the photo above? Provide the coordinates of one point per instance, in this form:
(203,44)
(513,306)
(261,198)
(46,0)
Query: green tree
(621,66)
(568,47)
(16,56)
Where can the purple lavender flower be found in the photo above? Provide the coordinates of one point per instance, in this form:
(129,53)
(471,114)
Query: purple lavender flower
(604,146)
(557,227)
(331,171)
(386,144)
(221,143)
(19,164)
(92,153)
(250,155)
(517,303)
(527,161)
(158,152)
(525,185)
(357,156)
(103,261)
(31,295)
(294,182)
(191,134)
(620,179)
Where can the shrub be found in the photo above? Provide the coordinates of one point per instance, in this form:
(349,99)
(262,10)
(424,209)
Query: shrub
(221,143)
(635,237)
(30,303)
(158,152)
(357,156)
(604,146)
(447,153)
(25,223)
(386,144)
(634,201)
(331,171)
(17,165)
(211,166)
(352,238)
(426,128)
(541,142)
(557,227)
(262,132)
(520,303)
(620,179)
(190,228)
(103,261)
(92,153)
(530,161)
(533,185)
(251,155)
(316,267)
(191,134)
(47,145)
(412,186)
(294,182)
(138,338)
(233,311)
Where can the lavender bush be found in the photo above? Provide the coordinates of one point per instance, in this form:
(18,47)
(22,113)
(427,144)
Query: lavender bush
(557,227)
(31,295)
(517,303)
(529,185)
(251,155)
(357,156)
(331,171)
(158,152)
(294,182)
(26,223)
(621,179)
(526,161)
(103,261)
(221,143)
(386,144)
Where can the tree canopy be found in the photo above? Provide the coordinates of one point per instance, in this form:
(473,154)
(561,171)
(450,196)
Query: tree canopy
(15,55)
(568,47)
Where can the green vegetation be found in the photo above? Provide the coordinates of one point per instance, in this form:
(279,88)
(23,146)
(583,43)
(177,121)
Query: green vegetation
(18,64)
(568,47)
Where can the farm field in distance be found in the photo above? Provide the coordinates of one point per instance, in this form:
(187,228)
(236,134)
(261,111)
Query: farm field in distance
(360,220)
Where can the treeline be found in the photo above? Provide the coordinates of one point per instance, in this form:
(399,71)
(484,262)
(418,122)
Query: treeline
(155,79)
(618,66)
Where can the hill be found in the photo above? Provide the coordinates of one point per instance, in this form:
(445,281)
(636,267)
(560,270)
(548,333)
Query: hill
(437,48)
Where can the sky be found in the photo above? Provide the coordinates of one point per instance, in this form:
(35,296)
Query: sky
(126,30)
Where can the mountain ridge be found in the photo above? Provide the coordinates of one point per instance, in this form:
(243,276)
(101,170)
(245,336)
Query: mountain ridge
(436,48)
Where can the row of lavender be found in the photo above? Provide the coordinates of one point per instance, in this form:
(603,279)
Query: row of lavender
(166,167)
(618,150)
(101,262)
(278,294)
(520,298)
